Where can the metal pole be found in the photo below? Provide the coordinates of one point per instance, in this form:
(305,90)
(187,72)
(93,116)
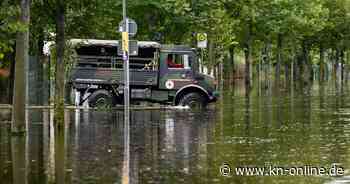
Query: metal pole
(124,10)
(202,61)
(126,172)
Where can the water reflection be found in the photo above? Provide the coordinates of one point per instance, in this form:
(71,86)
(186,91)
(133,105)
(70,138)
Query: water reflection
(19,163)
(310,126)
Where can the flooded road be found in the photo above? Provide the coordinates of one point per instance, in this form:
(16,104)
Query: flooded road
(287,128)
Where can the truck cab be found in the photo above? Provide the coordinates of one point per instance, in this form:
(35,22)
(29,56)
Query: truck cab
(163,74)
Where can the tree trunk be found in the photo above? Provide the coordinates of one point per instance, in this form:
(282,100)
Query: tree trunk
(266,63)
(279,57)
(248,55)
(232,60)
(292,71)
(11,77)
(336,63)
(211,53)
(215,70)
(221,66)
(322,66)
(59,69)
(22,57)
(347,54)
(342,65)
(307,70)
(286,72)
(40,70)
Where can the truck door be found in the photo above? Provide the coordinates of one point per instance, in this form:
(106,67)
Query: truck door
(175,70)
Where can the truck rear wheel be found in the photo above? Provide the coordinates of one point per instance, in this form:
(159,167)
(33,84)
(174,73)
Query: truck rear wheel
(101,99)
(193,100)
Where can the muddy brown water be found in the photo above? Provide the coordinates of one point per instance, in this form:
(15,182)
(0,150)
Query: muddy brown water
(309,126)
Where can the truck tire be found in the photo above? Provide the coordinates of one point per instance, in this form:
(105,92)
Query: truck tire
(101,99)
(193,100)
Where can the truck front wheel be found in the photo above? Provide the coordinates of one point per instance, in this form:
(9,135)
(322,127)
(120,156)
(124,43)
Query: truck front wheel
(101,99)
(193,100)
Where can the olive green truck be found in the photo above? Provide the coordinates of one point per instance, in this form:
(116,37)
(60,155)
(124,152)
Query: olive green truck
(164,74)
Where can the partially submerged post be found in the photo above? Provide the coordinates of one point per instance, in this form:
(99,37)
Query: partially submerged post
(22,57)
(125,41)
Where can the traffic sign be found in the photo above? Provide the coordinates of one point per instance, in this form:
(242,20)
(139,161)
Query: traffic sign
(202,40)
(132,27)
(133,49)
(125,41)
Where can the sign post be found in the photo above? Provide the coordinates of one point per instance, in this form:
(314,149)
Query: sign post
(125,48)
(202,40)
(128,28)
(202,43)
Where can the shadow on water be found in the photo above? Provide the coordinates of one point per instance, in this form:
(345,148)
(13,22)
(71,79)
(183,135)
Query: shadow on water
(306,126)
(18,150)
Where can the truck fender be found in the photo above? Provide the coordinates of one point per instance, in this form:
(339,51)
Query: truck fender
(188,89)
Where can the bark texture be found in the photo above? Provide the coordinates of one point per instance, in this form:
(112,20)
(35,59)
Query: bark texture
(22,57)
(59,69)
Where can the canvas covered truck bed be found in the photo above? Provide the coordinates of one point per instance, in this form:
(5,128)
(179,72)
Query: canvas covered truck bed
(97,62)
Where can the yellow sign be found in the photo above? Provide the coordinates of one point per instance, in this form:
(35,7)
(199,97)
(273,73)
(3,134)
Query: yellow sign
(202,40)
(201,37)
(125,38)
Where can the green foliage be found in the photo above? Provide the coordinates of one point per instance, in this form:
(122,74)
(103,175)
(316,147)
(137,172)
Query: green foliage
(8,27)
(69,57)
(227,22)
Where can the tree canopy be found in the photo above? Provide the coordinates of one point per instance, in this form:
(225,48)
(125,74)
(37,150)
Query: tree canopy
(298,23)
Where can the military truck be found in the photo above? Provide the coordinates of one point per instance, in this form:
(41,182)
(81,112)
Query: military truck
(164,74)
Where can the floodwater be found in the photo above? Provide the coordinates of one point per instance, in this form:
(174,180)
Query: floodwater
(307,126)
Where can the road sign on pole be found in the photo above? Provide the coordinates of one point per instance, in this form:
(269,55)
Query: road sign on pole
(132,26)
(128,28)
(133,48)
(125,42)
(202,40)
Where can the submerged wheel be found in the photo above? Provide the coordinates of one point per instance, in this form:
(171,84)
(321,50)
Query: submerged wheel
(193,100)
(101,99)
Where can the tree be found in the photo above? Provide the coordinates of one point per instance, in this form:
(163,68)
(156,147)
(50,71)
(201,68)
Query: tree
(284,30)
(60,63)
(22,57)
